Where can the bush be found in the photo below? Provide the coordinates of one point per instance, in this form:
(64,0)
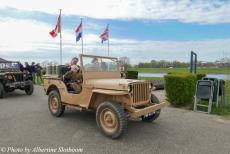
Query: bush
(200,76)
(180,88)
(132,75)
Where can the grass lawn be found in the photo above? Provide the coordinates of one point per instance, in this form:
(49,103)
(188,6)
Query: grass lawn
(182,70)
(223,110)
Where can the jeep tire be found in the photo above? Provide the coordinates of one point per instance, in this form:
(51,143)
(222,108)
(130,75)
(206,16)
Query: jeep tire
(29,88)
(152,116)
(55,105)
(111,119)
(2,91)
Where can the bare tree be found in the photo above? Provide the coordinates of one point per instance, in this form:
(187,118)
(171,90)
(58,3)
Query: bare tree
(124,62)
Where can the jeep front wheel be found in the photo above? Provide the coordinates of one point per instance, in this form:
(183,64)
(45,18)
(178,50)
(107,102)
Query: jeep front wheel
(29,89)
(55,105)
(111,119)
(2,91)
(150,117)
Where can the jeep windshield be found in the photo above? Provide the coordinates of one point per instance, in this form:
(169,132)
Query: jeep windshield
(100,64)
(9,66)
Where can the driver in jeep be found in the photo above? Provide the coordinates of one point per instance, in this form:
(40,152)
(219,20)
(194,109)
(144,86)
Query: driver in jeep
(74,76)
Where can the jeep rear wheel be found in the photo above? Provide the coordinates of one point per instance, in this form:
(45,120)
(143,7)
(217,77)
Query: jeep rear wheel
(150,117)
(29,89)
(55,105)
(2,91)
(111,119)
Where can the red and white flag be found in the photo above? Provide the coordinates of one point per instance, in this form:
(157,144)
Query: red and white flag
(105,35)
(57,29)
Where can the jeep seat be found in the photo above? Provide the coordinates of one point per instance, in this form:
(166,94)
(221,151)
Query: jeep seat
(62,69)
(73,81)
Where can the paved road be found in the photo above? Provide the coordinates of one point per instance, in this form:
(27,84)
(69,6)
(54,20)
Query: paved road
(26,122)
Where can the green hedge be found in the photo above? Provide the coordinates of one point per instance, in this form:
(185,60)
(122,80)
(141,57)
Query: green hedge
(180,88)
(200,76)
(132,75)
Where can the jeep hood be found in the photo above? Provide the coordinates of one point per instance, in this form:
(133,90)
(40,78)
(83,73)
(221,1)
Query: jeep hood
(115,84)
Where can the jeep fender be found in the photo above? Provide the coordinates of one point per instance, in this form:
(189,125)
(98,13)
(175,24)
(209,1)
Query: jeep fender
(101,95)
(50,88)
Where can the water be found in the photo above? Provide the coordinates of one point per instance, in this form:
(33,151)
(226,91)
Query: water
(141,74)
(218,76)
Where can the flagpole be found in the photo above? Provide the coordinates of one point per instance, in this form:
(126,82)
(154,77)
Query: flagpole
(108,39)
(60,41)
(81,36)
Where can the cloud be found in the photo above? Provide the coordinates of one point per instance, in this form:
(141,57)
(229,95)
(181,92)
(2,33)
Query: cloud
(22,35)
(28,40)
(205,12)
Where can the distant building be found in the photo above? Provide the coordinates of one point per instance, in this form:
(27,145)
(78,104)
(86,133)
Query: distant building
(224,62)
(3,60)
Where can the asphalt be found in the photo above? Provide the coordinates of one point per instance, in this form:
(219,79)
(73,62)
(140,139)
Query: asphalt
(25,122)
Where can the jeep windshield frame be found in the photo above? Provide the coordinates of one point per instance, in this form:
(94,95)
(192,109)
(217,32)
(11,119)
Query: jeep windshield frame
(97,67)
(9,66)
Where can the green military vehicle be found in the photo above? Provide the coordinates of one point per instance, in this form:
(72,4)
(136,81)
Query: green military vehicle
(12,78)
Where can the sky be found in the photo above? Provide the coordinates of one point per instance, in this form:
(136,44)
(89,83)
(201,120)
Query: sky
(142,30)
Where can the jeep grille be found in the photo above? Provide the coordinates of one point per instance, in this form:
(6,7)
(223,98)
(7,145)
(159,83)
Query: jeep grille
(141,92)
(18,77)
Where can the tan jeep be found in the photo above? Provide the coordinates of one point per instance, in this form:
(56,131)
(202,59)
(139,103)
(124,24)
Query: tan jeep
(113,98)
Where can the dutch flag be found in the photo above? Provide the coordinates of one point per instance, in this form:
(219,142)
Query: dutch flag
(78,32)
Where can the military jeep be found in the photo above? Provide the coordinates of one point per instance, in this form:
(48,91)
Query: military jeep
(103,90)
(12,78)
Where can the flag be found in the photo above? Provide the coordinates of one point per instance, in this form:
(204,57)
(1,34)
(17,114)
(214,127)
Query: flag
(78,32)
(105,35)
(57,29)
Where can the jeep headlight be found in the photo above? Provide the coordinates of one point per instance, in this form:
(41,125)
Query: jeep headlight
(130,88)
(9,77)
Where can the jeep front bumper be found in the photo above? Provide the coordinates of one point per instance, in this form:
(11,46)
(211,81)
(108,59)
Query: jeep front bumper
(17,84)
(135,113)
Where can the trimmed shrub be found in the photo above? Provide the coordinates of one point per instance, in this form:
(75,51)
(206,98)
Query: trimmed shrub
(200,76)
(180,88)
(132,75)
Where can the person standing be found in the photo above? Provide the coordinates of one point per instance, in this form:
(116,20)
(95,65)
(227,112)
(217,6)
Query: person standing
(21,67)
(38,73)
(33,71)
(27,67)
(28,70)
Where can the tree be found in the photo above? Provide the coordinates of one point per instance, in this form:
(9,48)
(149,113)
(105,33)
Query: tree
(124,62)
